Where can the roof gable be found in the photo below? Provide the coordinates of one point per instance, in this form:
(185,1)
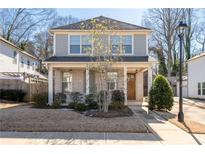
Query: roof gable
(108,22)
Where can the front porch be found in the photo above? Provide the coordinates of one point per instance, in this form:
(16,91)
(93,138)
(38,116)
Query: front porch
(134,80)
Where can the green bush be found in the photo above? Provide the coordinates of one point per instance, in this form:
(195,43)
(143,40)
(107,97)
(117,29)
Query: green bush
(59,99)
(91,101)
(80,107)
(160,95)
(76,97)
(72,105)
(40,100)
(116,106)
(118,96)
(12,95)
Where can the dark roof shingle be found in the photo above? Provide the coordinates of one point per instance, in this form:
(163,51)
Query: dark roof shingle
(108,22)
(89,59)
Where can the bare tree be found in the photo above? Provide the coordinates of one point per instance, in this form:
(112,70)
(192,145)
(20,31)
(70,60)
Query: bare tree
(164,22)
(102,56)
(18,25)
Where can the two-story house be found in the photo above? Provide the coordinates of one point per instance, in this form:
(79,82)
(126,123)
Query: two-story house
(18,68)
(67,71)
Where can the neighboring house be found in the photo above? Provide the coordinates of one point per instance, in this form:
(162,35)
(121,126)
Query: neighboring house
(184,87)
(196,76)
(17,67)
(67,71)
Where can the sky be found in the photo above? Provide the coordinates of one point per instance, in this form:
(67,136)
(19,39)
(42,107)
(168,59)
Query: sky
(133,16)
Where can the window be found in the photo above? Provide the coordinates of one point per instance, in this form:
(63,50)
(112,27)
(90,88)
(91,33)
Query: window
(127,44)
(28,64)
(199,88)
(22,62)
(75,44)
(86,43)
(14,57)
(33,66)
(67,82)
(112,80)
(203,88)
(115,43)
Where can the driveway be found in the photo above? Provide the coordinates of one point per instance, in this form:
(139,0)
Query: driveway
(193,109)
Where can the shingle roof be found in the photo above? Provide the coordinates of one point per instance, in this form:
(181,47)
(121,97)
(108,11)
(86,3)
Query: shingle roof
(108,22)
(89,59)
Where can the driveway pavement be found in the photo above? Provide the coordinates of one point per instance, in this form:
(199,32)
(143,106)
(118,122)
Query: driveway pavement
(194,109)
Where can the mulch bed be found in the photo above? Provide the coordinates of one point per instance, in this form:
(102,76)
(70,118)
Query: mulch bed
(126,112)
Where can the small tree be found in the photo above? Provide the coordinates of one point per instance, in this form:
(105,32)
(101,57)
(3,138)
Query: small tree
(160,95)
(102,57)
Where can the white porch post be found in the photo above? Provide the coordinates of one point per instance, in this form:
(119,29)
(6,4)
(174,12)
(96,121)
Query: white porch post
(50,85)
(87,74)
(149,78)
(125,84)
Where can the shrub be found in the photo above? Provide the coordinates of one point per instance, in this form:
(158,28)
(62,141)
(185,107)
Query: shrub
(80,107)
(59,98)
(160,95)
(118,96)
(91,101)
(72,105)
(116,106)
(40,100)
(12,95)
(76,97)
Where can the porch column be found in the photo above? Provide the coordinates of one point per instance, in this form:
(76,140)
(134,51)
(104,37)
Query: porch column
(50,85)
(87,75)
(149,78)
(125,84)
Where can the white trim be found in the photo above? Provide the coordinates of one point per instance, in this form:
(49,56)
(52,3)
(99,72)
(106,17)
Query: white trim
(54,45)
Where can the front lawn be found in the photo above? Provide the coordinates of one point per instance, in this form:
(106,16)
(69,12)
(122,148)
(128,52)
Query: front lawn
(25,118)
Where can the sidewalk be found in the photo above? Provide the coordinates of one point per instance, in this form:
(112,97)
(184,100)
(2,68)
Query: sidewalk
(192,102)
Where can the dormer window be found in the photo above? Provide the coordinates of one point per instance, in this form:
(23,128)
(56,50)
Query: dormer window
(75,44)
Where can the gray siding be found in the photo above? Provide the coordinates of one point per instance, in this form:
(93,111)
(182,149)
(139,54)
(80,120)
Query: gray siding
(140,45)
(61,43)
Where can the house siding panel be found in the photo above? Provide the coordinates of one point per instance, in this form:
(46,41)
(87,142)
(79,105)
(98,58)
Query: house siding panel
(61,45)
(140,45)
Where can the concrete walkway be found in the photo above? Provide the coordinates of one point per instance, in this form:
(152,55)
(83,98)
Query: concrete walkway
(163,133)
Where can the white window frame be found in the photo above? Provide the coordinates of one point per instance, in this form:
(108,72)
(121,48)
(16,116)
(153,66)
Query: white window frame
(80,44)
(115,81)
(199,88)
(28,64)
(202,88)
(132,37)
(15,57)
(71,82)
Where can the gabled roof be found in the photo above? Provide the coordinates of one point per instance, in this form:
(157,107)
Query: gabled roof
(109,22)
(20,50)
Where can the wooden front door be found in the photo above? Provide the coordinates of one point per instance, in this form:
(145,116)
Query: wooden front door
(131,93)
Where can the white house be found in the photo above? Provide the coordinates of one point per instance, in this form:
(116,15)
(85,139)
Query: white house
(196,76)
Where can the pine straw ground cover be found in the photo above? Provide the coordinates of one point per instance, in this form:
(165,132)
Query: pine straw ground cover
(188,125)
(25,118)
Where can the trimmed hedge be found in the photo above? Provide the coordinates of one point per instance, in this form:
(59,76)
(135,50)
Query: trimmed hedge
(160,95)
(91,101)
(59,99)
(40,100)
(118,96)
(12,95)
